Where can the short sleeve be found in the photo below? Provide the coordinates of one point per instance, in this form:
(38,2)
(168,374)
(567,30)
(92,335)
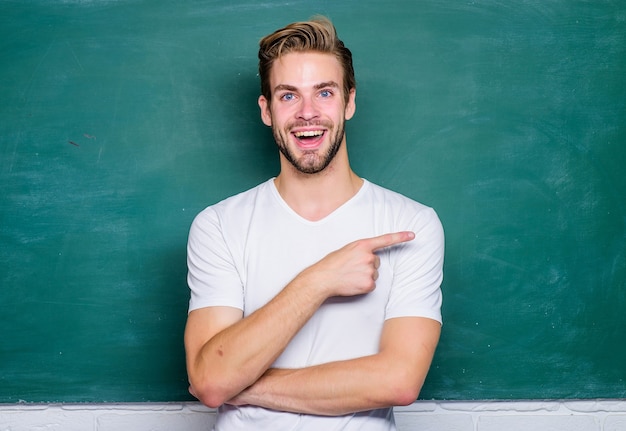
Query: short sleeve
(212,275)
(418,271)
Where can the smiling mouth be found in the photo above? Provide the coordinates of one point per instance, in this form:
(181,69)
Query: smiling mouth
(309,138)
(308,134)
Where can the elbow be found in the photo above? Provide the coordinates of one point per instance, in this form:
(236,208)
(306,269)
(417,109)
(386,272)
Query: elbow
(211,395)
(212,402)
(209,399)
(404,389)
(405,396)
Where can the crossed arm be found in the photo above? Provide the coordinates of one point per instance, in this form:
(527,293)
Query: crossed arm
(228,356)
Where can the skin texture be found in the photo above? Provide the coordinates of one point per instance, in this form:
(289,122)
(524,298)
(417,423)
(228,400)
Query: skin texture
(229,356)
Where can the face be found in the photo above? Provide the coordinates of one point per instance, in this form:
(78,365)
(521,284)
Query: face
(308,109)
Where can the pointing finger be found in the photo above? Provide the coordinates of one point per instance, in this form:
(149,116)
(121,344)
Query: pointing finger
(389,239)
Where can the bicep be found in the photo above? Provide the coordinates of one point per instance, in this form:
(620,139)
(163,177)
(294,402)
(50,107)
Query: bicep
(410,342)
(203,324)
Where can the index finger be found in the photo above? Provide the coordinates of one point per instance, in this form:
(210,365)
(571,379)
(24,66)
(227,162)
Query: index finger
(389,239)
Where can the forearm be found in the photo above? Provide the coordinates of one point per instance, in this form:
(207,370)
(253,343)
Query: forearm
(394,376)
(330,389)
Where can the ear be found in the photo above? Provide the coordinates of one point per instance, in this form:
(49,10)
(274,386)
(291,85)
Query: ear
(266,115)
(351,105)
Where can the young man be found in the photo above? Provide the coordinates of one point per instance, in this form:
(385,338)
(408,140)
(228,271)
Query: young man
(315,296)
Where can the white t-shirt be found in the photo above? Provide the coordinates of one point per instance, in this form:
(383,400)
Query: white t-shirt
(244,250)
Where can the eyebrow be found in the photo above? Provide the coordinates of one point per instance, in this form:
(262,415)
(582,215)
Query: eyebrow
(326,84)
(286,87)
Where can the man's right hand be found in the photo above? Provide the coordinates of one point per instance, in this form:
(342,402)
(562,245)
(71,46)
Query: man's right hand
(353,269)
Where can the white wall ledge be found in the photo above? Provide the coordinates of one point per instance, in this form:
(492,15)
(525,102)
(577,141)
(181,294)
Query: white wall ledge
(518,415)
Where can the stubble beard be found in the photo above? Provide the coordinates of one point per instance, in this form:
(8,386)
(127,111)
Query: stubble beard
(311,162)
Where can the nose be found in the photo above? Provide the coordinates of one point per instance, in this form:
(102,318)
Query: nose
(308,109)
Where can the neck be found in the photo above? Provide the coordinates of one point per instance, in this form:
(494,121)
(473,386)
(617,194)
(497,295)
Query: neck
(315,196)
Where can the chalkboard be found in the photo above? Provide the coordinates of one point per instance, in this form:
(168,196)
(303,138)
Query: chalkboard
(120,120)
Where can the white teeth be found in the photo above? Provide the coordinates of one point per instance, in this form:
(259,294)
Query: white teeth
(309,133)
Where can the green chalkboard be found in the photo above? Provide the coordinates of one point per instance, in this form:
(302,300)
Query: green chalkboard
(120,120)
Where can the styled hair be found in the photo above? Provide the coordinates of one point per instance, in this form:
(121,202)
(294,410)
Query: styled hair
(317,35)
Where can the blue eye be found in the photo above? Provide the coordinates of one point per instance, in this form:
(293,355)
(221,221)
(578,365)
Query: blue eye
(287,97)
(326,93)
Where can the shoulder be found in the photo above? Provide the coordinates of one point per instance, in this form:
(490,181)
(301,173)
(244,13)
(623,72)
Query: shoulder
(390,197)
(399,207)
(236,207)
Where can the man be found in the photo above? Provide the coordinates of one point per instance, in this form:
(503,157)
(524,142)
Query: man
(315,298)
